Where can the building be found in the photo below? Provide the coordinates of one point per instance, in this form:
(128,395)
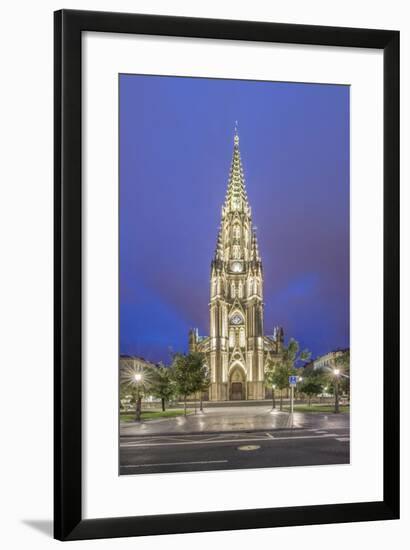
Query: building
(237,349)
(327,361)
(127,361)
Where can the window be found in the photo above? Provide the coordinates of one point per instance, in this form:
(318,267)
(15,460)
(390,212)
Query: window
(242,337)
(236,319)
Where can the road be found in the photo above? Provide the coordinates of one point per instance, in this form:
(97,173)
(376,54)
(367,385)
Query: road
(147,454)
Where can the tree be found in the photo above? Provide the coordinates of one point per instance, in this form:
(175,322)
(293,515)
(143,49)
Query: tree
(204,382)
(338,376)
(163,385)
(312,384)
(342,362)
(277,372)
(186,373)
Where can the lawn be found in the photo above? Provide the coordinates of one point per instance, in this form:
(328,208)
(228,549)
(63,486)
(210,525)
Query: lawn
(316,408)
(150,415)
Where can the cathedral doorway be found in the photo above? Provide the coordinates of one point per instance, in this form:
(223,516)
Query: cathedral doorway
(237,384)
(236,391)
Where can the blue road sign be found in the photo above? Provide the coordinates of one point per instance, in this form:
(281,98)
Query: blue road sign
(293,380)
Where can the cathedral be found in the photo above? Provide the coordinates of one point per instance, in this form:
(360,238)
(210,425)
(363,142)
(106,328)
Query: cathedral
(237,349)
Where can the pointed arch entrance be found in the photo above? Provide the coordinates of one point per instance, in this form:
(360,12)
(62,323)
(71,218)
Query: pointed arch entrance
(237,383)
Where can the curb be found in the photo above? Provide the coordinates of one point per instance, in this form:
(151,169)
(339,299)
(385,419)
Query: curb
(164,434)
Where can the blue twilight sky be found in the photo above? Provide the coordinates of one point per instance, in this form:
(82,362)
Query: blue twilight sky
(176,142)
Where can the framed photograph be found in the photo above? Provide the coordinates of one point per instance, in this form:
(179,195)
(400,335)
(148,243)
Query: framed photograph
(226,275)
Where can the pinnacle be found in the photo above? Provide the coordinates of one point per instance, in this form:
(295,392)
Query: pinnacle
(236,197)
(255,247)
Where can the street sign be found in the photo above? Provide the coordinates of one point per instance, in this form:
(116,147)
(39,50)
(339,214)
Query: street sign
(293,380)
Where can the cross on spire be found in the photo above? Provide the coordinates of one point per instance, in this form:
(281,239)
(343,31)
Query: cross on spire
(236,135)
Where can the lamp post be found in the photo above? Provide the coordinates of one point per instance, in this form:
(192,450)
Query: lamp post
(138,378)
(273,396)
(336,373)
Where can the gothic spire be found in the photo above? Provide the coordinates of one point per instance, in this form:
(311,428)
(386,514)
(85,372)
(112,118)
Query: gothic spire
(236,198)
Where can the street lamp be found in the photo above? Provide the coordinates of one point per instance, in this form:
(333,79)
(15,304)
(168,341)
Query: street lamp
(273,396)
(138,379)
(336,374)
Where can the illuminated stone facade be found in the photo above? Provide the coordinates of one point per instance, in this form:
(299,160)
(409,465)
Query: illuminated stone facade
(236,348)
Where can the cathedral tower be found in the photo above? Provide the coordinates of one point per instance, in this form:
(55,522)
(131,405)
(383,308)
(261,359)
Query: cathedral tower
(236,347)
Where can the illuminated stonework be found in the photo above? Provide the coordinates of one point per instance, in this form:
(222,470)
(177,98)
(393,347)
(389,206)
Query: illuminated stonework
(236,347)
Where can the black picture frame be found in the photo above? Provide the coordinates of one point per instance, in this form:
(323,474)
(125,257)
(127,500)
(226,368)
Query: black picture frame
(68,521)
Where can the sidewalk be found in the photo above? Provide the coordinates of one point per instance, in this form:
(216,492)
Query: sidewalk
(211,420)
(232,419)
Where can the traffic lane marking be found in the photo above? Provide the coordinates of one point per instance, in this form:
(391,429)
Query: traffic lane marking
(221,435)
(286,434)
(324,436)
(173,463)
